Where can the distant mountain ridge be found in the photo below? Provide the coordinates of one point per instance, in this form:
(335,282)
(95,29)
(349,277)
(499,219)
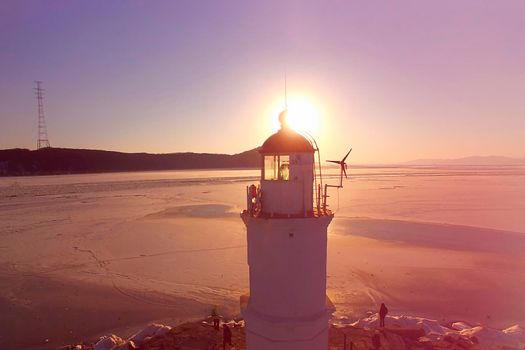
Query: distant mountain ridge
(48,161)
(474,160)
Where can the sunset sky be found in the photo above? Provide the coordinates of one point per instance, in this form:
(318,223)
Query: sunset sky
(395,80)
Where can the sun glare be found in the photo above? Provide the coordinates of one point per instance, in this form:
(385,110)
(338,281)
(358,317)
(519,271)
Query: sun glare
(302,116)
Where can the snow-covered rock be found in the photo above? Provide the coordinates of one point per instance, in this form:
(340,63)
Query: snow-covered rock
(433,327)
(108,342)
(429,326)
(150,331)
(512,337)
(516,331)
(369,322)
(459,326)
(490,337)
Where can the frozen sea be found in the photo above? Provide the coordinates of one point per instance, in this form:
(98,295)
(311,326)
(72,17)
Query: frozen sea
(81,255)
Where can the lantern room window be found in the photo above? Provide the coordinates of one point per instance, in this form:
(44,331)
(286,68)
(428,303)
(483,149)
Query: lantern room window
(277,167)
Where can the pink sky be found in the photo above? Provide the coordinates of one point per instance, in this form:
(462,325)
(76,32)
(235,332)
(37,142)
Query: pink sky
(394,80)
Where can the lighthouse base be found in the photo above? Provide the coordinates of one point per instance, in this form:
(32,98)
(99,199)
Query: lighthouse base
(264,332)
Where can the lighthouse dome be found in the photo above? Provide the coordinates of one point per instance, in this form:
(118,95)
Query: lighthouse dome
(286,141)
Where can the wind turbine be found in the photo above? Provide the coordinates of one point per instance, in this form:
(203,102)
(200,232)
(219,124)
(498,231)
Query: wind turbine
(343,165)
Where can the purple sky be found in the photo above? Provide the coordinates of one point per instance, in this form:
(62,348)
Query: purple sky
(396,80)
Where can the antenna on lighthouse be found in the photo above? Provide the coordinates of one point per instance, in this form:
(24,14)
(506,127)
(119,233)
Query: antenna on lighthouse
(285,93)
(42,140)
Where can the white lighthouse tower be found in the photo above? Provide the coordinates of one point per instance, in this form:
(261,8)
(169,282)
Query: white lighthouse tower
(287,234)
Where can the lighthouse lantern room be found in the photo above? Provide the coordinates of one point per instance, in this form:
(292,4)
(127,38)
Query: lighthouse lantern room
(286,226)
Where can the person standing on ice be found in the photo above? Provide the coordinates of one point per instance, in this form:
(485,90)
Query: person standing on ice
(215,316)
(383,311)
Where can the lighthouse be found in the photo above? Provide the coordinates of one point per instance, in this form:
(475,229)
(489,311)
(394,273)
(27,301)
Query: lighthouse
(286,226)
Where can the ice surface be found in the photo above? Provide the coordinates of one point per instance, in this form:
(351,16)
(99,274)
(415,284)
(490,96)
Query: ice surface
(167,246)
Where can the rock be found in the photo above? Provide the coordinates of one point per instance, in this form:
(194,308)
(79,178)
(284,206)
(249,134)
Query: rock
(464,343)
(403,322)
(71,347)
(392,341)
(108,342)
(517,332)
(489,337)
(148,332)
(129,345)
(407,333)
(402,332)
(459,326)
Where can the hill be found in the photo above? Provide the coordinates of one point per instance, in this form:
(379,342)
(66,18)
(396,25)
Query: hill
(46,161)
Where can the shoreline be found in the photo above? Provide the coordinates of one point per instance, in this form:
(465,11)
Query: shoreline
(82,312)
(400,333)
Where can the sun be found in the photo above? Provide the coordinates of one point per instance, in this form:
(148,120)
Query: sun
(302,115)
